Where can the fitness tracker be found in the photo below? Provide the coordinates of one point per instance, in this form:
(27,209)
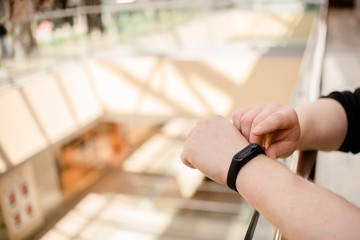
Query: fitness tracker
(239,160)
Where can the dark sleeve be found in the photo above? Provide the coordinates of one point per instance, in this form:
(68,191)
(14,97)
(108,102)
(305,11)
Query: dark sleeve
(351,103)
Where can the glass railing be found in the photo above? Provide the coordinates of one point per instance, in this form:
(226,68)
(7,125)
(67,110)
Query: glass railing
(80,31)
(153,26)
(308,89)
(167,63)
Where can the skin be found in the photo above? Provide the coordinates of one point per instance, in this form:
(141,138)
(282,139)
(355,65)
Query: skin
(273,126)
(299,208)
(321,125)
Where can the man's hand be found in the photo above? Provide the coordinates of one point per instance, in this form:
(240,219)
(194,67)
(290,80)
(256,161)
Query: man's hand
(210,147)
(273,126)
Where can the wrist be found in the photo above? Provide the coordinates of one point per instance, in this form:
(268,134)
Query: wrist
(252,171)
(239,160)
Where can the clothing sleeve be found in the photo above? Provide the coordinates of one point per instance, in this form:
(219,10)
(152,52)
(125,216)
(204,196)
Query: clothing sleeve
(351,103)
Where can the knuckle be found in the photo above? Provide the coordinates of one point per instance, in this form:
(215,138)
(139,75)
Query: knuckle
(290,113)
(217,116)
(200,124)
(289,109)
(293,112)
(262,105)
(236,113)
(254,139)
(246,118)
(236,117)
(256,121)
(278,115)
(276,105)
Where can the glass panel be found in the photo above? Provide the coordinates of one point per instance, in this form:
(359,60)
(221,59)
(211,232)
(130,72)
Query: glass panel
(154,196)
(308,82)
(80,93)
(50,108)
(170,27)
(110,86)
(199,87)
(173,60)
(20,137)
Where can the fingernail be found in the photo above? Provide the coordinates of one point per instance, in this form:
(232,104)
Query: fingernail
(257,129)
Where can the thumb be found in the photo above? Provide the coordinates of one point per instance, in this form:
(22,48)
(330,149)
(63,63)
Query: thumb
(271,153)
(280,149)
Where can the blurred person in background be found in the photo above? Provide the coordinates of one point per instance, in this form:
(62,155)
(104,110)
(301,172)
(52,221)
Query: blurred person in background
(59,22)
(4,24)
(298,207)
(3,39)
(94,20)
(21,14)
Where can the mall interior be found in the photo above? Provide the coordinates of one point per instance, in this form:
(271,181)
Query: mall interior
(98,96)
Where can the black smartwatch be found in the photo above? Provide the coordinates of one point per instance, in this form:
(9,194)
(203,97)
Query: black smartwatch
(239,160)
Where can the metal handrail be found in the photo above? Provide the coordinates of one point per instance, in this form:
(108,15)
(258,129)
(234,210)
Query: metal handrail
(141,5)
(134,6)
(252,225)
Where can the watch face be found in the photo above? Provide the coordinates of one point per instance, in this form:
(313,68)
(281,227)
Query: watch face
(239,160)
(248,151)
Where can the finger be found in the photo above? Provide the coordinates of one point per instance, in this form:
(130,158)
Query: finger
(280,150)
(186,163)
(184,159)
(248,118)
(237,115)
(280,120)
(265,113)
(258,139)
(280,135)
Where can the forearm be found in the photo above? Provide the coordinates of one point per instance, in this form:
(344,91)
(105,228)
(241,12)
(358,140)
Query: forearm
(323,125)
(300,209)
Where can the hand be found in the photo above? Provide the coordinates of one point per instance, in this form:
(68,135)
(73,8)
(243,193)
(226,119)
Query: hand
(210,147)
(273,126)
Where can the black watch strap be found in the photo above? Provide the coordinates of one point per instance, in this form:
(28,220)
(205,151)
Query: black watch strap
(239,160)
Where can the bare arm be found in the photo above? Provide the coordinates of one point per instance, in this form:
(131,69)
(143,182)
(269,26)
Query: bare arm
(300,209)
(323,125)
(319,125)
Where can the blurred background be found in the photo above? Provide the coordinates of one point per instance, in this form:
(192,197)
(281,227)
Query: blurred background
(98,96)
